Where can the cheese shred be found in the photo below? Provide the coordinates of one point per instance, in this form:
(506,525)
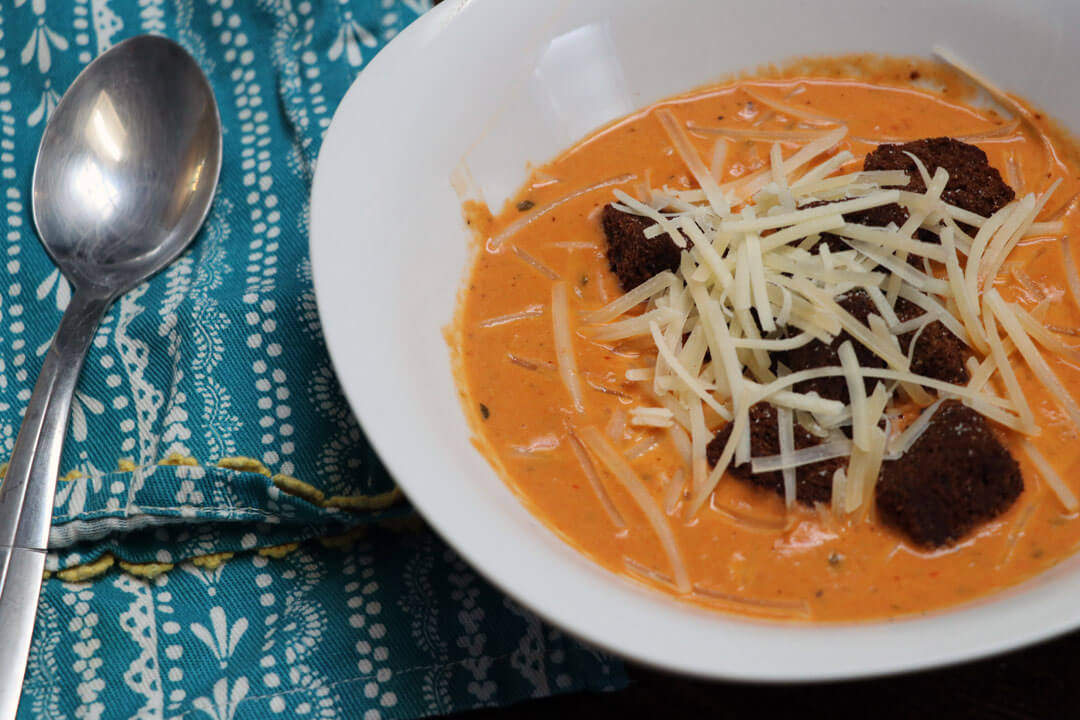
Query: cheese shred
(1052,478)
(621,470)
(564,345)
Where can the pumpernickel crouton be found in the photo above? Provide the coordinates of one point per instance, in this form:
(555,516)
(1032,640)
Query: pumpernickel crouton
(874,217)
(817,354)
(835,243)
(938,353)
(813,483)
(973,185)
(957,475)
(883,215)
(633,257)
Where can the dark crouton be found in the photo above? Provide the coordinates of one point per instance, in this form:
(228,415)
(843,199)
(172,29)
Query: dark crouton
(817,354)
(835,243)
(813,483)
(882,215)
(956,476)
(938,353)
(973,184)
(633,257)
(874,217)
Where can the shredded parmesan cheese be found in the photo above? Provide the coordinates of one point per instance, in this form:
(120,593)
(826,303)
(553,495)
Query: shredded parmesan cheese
(589,469)
(788,136)
(790,110)
(651,417)
(616,426)
(1031,208)
(514,227)
(1052,478)
(754,278)
(534,263)
(903,442)
(532,311)
(635,326)
(805,456)
(621,470)
(564,345)
(625,303)
(859,412)
(839,492)
(786,421)
(692,383)
(702,492)
(967,305)
(1032,355)
(673,493)
(1043,336)
(689,155)
(877,199)
(1071,275)
(746,187)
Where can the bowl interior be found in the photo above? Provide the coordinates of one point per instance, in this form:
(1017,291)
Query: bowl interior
(472,93)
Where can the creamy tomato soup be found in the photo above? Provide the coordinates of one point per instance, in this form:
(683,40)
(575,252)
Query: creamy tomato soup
(566,401)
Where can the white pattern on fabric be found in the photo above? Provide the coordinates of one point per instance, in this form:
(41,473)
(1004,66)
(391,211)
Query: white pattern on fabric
(220,359)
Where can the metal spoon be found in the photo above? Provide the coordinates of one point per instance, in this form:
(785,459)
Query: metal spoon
(124,177)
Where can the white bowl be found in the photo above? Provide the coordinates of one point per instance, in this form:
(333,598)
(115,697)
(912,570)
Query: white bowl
(500,83)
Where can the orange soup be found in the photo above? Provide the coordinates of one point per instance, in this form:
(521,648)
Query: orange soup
(605,443)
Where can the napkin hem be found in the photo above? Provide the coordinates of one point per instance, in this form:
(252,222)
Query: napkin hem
(80,497)
(178,508)
(98,565)
(244,464)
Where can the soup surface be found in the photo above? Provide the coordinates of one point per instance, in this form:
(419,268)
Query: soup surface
(745,551)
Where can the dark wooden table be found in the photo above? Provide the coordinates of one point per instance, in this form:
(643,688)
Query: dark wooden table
(1037,683)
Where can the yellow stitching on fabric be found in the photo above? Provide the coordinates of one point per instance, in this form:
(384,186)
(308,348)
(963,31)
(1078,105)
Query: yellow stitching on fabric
(82,573)
(244,464)
(212,561)
(315,496)
(177,459)
(278,551)
(299,488)
(285,483)
(148,571)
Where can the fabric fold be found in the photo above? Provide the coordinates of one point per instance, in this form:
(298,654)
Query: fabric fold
(137,517)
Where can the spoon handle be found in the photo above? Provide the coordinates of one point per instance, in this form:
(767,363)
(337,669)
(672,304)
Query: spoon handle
(26,494)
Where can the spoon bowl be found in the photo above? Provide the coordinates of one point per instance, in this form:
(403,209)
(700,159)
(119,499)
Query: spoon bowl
(124,178)
(120,187)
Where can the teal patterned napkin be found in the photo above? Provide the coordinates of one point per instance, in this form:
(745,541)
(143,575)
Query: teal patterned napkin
(225,543)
